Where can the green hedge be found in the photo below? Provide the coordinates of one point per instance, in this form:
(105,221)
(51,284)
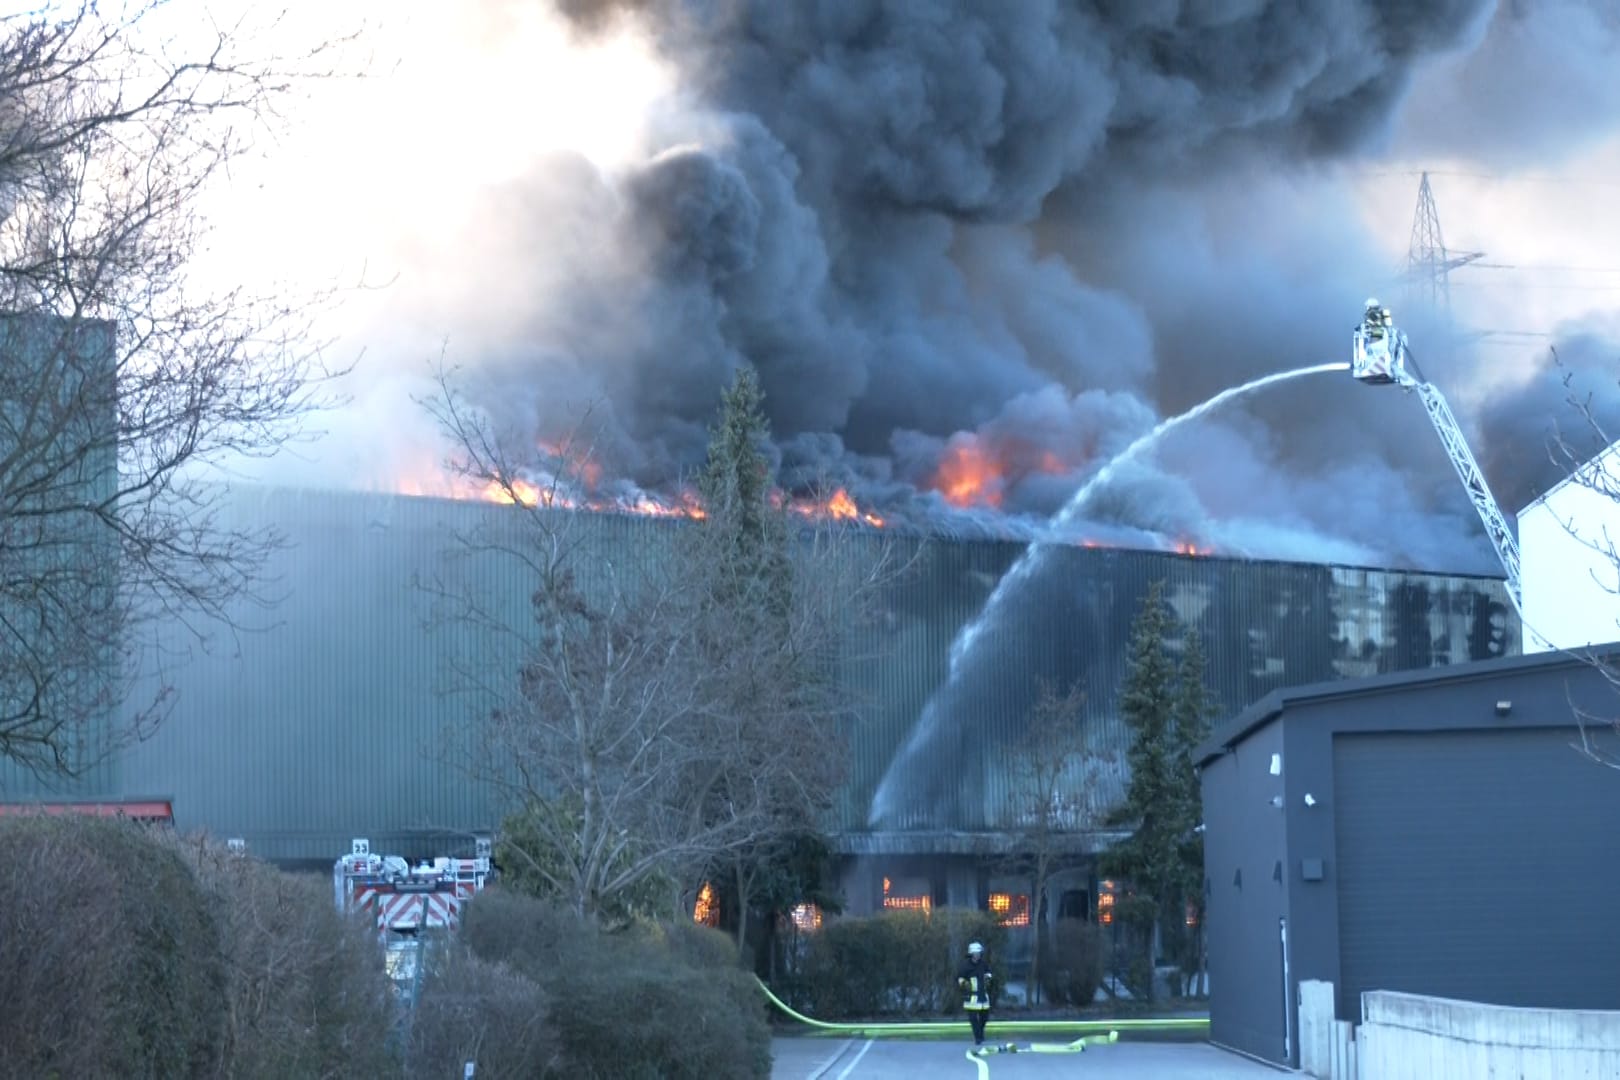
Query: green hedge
(1072,968)
(127,951)
(305,988)
(110,957)
(652,1001)
(470,1009)
(898,963)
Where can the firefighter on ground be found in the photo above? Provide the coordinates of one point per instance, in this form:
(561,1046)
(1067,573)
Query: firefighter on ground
(974,980)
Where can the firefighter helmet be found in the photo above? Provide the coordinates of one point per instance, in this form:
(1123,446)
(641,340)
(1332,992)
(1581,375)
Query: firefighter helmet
(975,949)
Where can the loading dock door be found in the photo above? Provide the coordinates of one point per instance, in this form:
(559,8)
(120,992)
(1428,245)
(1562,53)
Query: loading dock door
(1477,865)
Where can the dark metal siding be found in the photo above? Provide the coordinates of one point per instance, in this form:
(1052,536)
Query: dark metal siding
(1476,864)
(1246,894)
(332,716)
(79,696)
(330,722)
(1265,625)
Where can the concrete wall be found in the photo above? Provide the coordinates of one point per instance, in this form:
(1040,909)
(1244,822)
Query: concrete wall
(1244,859)
(1568,567)
(1407,1035)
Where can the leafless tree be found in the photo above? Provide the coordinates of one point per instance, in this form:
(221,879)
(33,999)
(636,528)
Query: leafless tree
(126,377)
(774,646)
(1572,448)
(1054,776)
(611,718)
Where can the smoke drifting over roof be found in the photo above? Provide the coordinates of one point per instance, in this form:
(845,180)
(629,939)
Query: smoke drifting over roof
(973,249)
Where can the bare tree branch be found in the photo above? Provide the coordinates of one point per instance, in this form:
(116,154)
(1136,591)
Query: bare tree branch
(126,378)
(1598,475)
(655,710)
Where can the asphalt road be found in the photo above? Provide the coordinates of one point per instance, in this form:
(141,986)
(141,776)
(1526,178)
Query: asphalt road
(840,1058)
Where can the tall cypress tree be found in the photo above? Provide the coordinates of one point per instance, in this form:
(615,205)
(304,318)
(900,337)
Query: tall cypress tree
(748,593)
(1166,705)
(1194,706)
(745,534)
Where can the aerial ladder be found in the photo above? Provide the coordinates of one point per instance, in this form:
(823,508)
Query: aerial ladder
(1381,356)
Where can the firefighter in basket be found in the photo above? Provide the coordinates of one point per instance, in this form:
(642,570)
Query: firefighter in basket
(974,981)
(1380,350)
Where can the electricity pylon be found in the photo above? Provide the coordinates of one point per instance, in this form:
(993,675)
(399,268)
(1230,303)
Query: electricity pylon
(1428,262)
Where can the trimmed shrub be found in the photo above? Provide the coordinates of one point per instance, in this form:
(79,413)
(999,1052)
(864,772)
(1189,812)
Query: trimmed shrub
(305,988)
(469,1009)
(1072,972)
(647,1002)
(110,960)
(894,963)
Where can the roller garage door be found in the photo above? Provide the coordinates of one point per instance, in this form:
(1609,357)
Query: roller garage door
(1481,865)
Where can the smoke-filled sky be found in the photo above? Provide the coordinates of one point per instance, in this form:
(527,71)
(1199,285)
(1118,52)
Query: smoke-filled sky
(974,248)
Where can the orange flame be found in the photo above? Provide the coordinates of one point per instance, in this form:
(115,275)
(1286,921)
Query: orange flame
(968,475)
(573,490)
(839,506)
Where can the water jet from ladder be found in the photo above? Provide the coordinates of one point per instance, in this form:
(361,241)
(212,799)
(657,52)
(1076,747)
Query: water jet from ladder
(1035,554)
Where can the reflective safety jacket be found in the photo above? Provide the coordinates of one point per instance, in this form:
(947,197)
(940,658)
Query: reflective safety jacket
(974,979)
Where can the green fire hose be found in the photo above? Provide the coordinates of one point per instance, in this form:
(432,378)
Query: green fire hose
(1108,1030)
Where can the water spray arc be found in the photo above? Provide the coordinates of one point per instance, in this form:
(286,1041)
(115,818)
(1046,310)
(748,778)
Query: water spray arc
(1035,555)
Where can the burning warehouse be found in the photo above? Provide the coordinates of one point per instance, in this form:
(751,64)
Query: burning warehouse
(327,721)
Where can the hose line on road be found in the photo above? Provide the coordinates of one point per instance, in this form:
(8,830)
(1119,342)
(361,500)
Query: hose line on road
(978,1054)
(924,1028)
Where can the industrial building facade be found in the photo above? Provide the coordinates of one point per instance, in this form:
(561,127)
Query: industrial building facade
(1434,832)
(327,716)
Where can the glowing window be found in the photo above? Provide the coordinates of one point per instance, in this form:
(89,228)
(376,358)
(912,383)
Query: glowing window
(1010,909)
(1192,913)
(707,909)
(917,902)
(806,917)
(1105,904)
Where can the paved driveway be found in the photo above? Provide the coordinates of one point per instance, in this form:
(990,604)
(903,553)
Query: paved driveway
(828,1058)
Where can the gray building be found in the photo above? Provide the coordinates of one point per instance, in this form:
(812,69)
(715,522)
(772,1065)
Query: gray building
(60,609)
(326,717)
(1433,832)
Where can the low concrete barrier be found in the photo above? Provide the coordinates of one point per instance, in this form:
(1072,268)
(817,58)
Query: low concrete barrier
(1327,1047)
(1408,1035)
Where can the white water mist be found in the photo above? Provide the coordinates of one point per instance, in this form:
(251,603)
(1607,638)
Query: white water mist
(1036,553)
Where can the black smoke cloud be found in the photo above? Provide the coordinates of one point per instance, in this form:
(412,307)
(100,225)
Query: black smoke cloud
(1539,86)
(1032,226)
(1566,410)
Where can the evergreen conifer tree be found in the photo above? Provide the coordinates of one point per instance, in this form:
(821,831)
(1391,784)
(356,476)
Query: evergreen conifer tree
(1166,705)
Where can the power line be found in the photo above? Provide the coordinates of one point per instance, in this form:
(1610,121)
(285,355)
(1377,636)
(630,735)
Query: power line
(1549,267)
(1501,178)
(1546,286)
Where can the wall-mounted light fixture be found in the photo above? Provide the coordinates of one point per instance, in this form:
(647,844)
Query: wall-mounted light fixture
(1310,800)
(1504,707)
(1276,800)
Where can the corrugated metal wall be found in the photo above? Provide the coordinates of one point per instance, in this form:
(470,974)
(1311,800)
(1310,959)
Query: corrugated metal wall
(77,467)
(331,721)
(339,713)
(938,750)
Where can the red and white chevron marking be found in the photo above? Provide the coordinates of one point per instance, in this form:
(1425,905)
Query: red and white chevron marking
(417,909)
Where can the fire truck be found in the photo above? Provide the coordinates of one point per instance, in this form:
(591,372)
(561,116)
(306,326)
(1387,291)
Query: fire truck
(413,905)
